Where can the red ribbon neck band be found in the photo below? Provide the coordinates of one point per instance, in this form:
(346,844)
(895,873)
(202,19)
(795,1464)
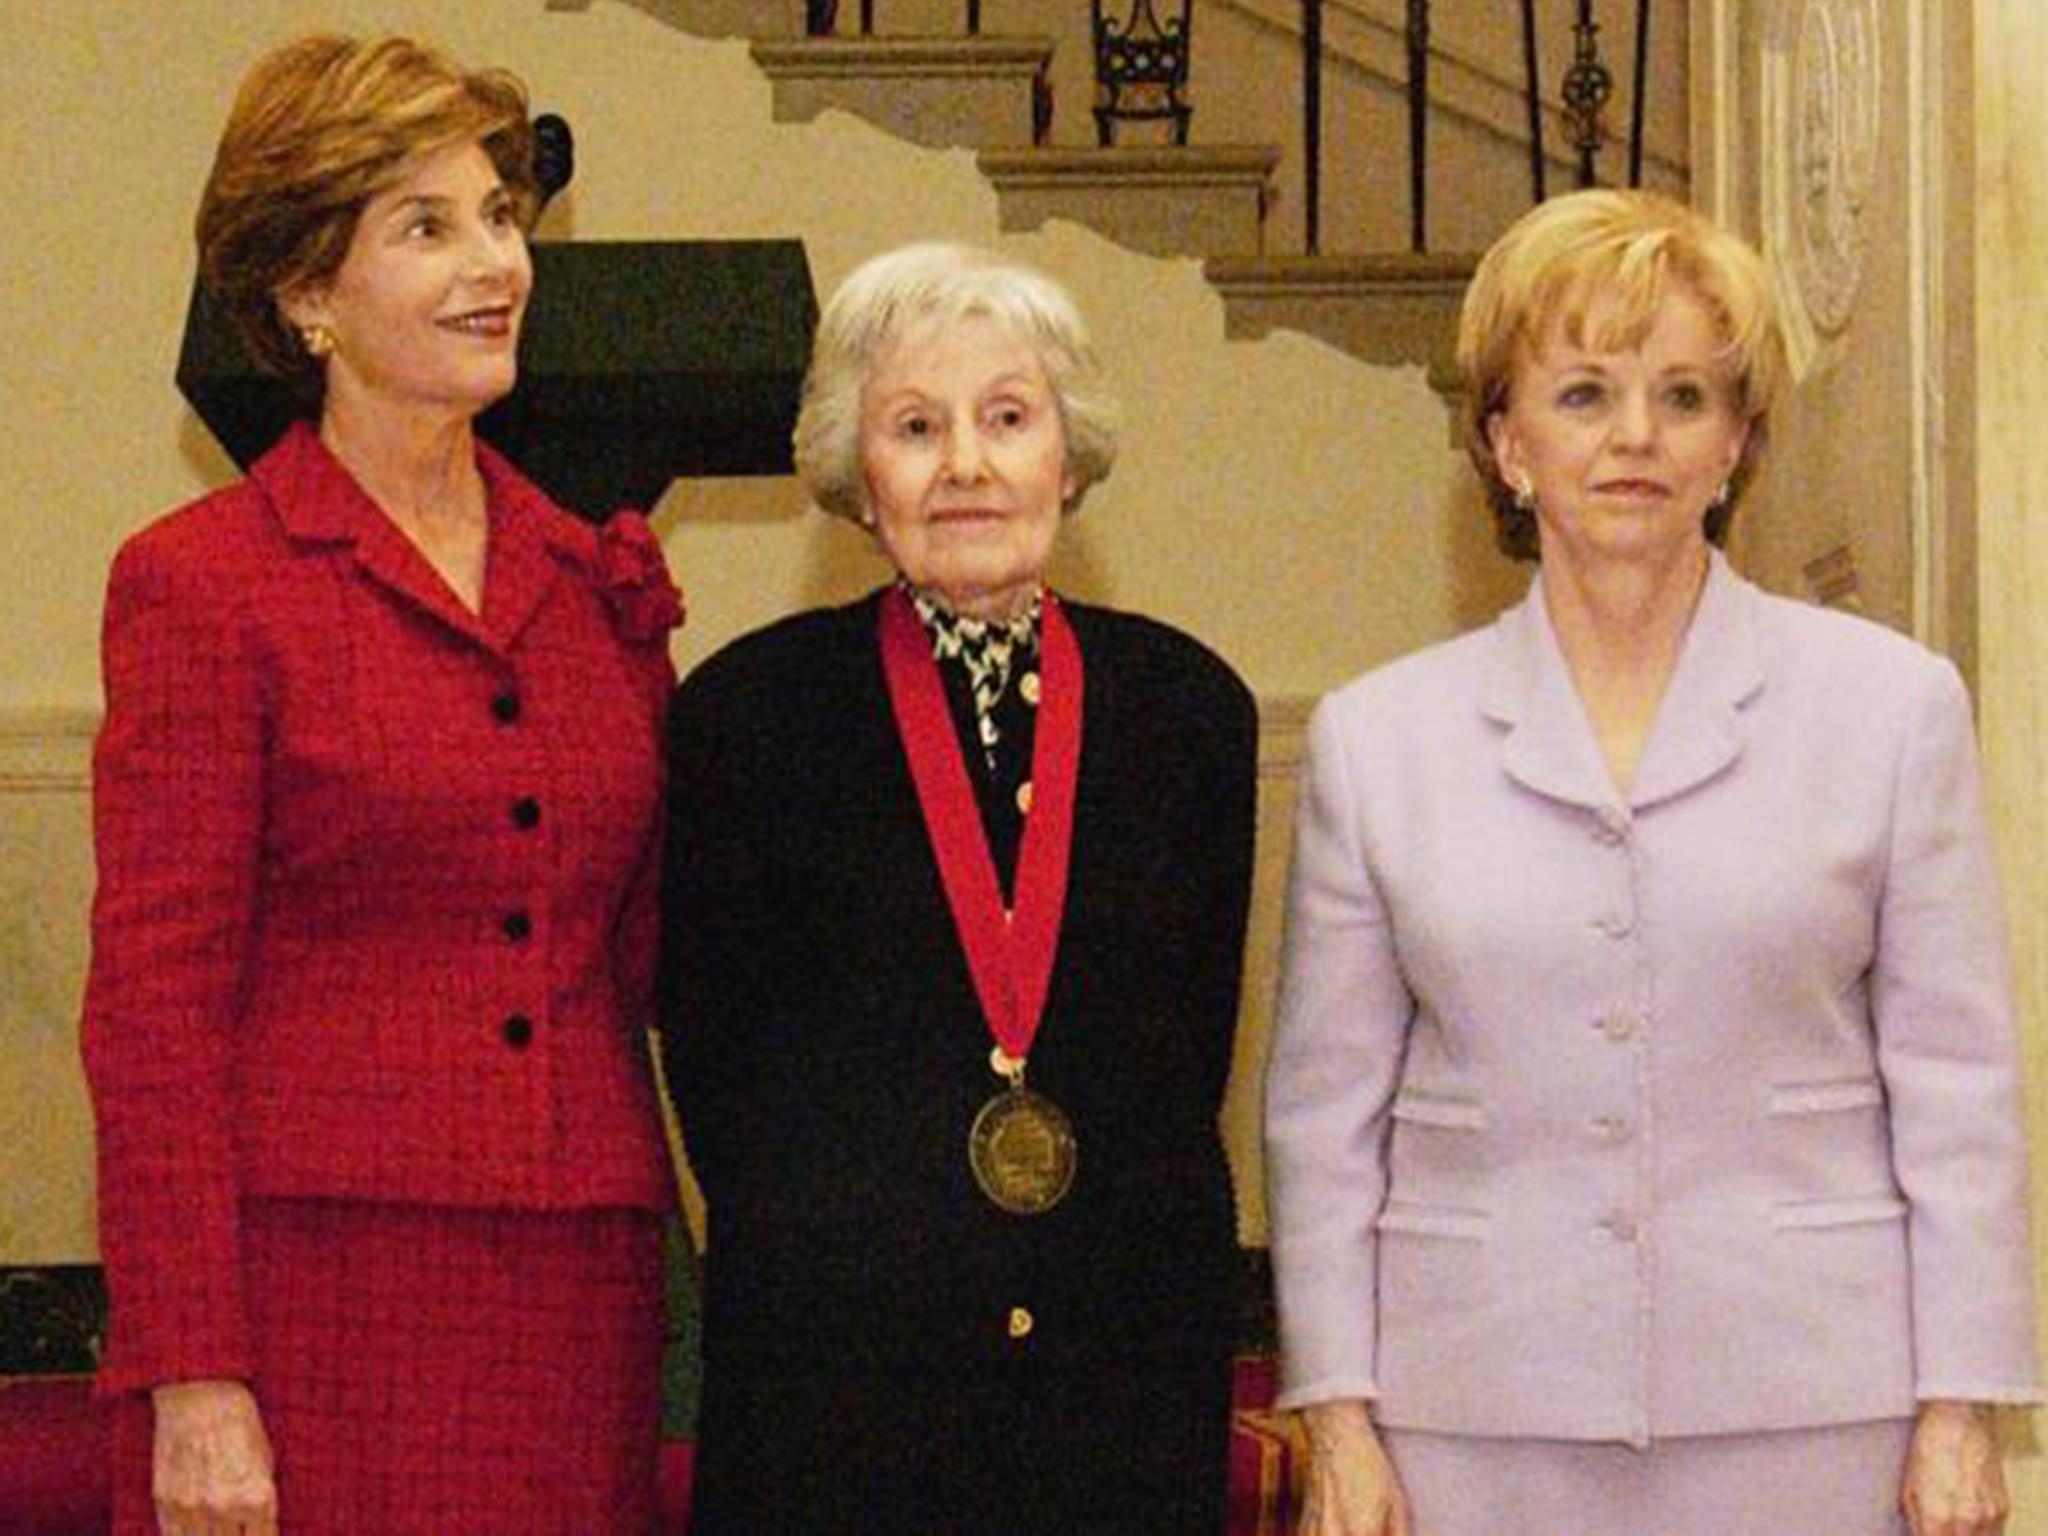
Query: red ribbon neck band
(1010,956)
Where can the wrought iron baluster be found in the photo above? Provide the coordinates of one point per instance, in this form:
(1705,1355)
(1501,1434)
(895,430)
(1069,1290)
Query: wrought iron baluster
(867,18)
(1418,123)
(1534,86)
(1586,91)
(1642,80)
(1312,118)
(1145,59)
(974,18)
(1588,86)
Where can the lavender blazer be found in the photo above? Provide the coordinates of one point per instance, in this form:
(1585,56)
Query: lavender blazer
(1689,1111)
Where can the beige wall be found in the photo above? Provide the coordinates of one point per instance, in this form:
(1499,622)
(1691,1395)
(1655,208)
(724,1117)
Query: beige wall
(2012,390)
(1298,510)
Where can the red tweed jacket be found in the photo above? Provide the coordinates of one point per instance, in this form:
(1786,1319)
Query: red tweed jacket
(374,915)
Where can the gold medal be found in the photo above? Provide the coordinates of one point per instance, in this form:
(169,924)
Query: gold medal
(1022,1152)
(1021,1147)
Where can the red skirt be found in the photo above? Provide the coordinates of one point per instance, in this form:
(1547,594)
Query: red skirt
(431,1371)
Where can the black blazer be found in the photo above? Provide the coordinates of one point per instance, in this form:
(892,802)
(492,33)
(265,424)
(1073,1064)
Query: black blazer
(824,1045)
(826,1054)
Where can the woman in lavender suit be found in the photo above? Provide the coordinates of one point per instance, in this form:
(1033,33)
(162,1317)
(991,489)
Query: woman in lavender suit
(1642,1121)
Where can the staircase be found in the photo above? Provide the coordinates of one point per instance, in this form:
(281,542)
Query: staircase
(1235,196)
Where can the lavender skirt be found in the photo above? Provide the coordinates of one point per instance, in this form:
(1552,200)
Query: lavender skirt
(1842,1480)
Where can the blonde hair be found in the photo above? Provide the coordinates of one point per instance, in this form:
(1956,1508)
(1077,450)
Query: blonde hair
(319,127)
(891,294)
(1626,251)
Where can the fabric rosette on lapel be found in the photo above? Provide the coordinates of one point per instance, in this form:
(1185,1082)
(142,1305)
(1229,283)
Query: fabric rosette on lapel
(645,602)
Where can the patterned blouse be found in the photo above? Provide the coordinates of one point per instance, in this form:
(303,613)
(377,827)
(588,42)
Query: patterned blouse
(990,670)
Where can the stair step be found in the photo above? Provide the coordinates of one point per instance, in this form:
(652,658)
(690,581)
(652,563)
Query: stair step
(1390,309)
(715,18)
(943,92)
(1165,200)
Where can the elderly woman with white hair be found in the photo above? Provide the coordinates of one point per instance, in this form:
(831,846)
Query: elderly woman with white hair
(953,923)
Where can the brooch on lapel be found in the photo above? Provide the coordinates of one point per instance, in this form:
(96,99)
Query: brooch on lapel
(631,573)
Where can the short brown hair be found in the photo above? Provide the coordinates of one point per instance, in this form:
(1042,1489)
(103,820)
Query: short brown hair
(319,127)
(1629,248)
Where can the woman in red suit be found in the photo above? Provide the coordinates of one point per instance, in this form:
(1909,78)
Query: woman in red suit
(374,810)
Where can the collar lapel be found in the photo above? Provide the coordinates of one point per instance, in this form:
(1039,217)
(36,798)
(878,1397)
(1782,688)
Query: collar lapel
(391,560)
(530,538)
(318,501)
(1526,688)
(311,495)
(1699,730)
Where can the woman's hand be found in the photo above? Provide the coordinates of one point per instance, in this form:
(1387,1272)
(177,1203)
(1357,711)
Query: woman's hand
(1352,1490)
(212,1462)
(1955,1483)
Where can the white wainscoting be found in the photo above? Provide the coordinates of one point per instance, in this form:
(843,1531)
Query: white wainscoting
(45,889)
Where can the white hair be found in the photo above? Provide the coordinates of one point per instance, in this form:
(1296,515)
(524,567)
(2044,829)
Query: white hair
(891,294)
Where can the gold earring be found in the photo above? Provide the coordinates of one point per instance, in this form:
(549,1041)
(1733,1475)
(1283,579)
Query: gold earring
(1721,497)
(1525,495)
(317,339)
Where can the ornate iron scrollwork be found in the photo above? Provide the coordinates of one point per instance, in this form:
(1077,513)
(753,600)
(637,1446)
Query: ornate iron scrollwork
(1141,69)
(1588,87)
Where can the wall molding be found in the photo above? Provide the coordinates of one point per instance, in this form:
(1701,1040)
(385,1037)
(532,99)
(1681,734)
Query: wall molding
(1283,733)
(1714,73)
(49,750)
(46,750)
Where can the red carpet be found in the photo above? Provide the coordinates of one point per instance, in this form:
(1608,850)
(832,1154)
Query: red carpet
(53,1460)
